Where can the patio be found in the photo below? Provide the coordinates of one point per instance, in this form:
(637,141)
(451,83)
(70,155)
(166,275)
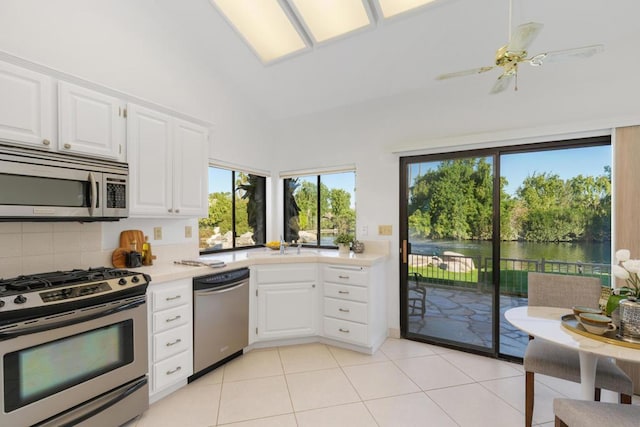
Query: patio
(464,315)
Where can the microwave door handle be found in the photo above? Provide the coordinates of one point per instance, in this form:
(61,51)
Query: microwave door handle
(94,194)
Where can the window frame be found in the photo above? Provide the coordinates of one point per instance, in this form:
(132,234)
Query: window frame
(318,175)
(235,170)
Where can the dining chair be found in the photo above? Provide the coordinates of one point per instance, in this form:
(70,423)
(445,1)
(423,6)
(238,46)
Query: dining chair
(581,413)
(417,296)
(545,358)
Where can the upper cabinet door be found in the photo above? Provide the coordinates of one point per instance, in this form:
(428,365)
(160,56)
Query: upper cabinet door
(190,161)
(91,123)
(150,165)
(26,107)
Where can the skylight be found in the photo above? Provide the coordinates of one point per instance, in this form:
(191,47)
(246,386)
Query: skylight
(275,29)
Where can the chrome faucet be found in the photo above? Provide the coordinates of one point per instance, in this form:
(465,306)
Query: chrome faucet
(299,246)
(283,247)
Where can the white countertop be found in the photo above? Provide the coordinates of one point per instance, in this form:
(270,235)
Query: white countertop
(166,271)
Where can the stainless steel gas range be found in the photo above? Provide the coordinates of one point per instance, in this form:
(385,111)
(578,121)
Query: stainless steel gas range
(73,348)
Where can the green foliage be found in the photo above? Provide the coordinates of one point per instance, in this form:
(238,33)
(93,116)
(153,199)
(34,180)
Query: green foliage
(454,200)
(343,238)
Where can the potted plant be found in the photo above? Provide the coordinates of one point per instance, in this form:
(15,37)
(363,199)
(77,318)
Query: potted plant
(627,269)
(343,240)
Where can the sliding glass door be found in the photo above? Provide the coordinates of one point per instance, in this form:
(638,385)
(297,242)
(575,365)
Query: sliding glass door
(448,217)
(474,224)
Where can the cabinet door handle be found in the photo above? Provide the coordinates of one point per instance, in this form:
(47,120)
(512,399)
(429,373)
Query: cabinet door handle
(169,344)
(46,142)
(173,318)
(346,331)
(173,371)
(67,146)
(173,298)
(343,292)
(170,210)
(343,277)
(177,210)
(344,310)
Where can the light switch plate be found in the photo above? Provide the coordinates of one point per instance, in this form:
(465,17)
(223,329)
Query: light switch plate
(157,233)
(385,230)
(188,232)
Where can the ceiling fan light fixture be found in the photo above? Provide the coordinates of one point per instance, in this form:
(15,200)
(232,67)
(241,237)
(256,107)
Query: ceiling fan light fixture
(328,19)
(396,7)
(265,26)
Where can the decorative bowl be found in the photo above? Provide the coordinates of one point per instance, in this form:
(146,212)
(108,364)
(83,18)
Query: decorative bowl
(274,244)
(579,309)
(592,319)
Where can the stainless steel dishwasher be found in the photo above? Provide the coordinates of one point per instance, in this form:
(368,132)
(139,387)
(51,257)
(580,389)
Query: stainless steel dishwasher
(220,319)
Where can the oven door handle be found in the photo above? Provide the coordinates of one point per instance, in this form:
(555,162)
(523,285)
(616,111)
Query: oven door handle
(94,194)
(49,323)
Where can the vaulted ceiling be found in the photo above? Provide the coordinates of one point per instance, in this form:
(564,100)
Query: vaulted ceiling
(404,55)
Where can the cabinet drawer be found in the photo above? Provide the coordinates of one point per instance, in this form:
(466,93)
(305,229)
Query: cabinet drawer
(171,342)
(349,276)
(345,330)
(347,310)
(171,297)
(167,319)
(278,275)
(171,370)
(353,293)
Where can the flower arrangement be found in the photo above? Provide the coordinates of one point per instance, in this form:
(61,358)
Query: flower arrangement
(628,270)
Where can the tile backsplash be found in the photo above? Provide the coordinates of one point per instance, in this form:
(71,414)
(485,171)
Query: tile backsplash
(37,247)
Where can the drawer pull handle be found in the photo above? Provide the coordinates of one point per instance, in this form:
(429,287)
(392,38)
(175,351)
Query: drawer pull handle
(343,277)
(346,331)
(343,292)
(173,371)
(178,340)
(344,310)
(171,319)
(173,298)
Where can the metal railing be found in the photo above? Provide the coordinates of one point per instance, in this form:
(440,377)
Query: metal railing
(476,272)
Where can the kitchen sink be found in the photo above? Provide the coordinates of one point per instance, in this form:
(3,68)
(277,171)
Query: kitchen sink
(290,253)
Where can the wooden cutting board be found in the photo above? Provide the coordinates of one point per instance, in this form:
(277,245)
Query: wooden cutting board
(128,236)
(119,258)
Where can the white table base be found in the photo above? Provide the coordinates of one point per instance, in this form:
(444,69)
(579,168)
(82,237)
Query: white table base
(588,364)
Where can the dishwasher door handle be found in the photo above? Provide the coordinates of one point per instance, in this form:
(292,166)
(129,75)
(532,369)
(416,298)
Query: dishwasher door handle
(221,289)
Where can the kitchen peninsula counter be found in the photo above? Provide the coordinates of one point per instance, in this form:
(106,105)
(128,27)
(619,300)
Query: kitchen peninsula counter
(166,271)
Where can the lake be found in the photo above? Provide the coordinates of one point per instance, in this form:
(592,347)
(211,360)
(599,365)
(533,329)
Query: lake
(570,252)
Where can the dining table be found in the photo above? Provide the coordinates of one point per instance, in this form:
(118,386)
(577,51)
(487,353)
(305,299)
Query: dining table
(546,323)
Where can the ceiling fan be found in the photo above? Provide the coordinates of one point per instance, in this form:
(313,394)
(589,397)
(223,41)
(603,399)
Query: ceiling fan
(515,52)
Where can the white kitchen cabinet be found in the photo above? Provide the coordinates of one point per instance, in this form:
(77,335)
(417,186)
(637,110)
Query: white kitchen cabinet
(27,114)
(170,336)
(168,160)
(287,301)
(90,123)
(354,305)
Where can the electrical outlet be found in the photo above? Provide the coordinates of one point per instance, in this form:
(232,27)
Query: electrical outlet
(385,230)
(187,231)
(157,233)
(363,230)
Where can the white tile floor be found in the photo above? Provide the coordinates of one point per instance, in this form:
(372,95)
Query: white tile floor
(404,384)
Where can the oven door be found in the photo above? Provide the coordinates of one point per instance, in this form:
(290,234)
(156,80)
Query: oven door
(72,358)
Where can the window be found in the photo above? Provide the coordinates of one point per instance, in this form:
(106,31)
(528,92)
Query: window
(237,211)
(318,207)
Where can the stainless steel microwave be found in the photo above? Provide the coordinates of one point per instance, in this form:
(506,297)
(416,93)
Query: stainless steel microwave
(38,186)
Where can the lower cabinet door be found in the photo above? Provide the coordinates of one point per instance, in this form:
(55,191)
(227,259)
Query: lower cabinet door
(172,370)
(344,330)
(287,311)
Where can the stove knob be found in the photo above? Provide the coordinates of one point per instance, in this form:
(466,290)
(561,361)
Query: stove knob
(20,299)
(135,279)
(1,303)
(122,282)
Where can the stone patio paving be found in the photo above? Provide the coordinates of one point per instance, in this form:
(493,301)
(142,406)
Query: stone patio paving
(464,315)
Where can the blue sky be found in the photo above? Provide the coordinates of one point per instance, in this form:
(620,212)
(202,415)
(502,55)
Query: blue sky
(565,163)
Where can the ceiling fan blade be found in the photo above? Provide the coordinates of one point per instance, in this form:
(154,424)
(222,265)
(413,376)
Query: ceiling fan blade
(502,83)
(523,36)
(464,73)
(566,54)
